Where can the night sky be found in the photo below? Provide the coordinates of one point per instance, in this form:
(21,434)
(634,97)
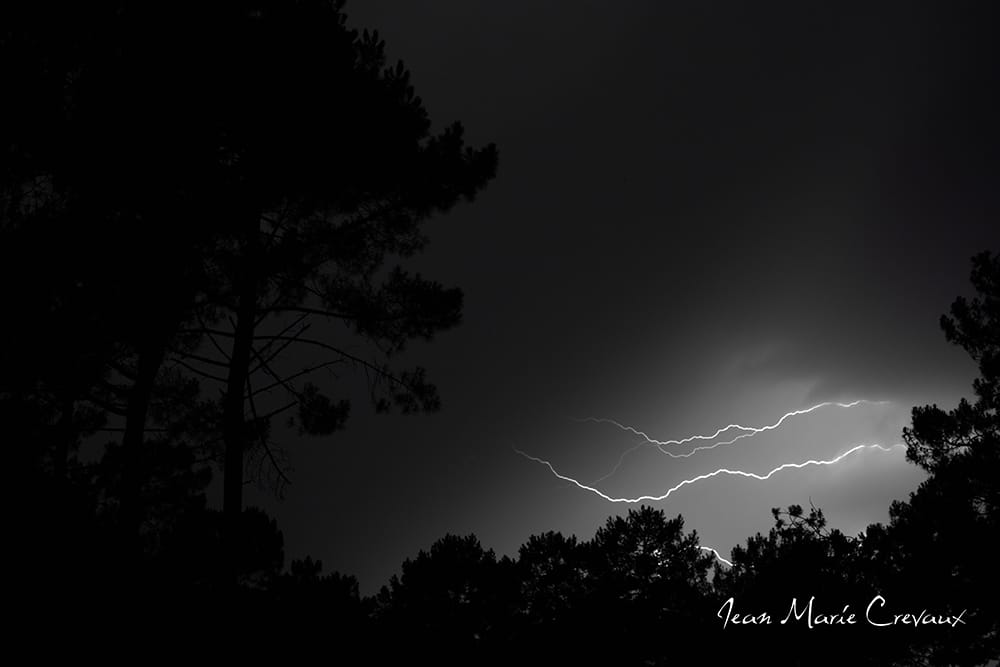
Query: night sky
(706,213)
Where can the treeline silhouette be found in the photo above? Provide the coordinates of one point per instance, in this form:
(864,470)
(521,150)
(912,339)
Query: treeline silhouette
(188,193)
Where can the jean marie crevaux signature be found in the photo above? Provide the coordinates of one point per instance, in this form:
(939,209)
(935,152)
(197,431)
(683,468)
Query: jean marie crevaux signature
(805,613)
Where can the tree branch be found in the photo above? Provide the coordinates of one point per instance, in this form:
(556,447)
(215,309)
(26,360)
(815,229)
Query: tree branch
(283,331)
(284,383)
(298,374)
(207,330)
(196,357)
(212,338)
(107,407)
(308,311)
(280,410)
(121,430)
(280,349)
(202,373)
(358,360)
(263,440)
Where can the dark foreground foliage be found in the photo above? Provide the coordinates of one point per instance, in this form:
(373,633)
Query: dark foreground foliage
(184,190)
(639,591)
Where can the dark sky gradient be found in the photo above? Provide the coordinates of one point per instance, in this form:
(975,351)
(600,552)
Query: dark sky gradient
(705,212)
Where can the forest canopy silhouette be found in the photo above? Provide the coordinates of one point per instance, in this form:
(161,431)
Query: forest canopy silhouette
(182,203)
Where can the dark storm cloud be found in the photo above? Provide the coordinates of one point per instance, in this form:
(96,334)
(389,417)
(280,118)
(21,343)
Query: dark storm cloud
(765,192)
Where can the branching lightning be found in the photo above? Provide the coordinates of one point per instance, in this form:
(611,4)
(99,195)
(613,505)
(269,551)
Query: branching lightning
(699,478)
(717,439)
(747,432)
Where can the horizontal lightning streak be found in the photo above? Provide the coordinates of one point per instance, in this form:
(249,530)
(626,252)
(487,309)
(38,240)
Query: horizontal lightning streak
(720,471)
(749,431)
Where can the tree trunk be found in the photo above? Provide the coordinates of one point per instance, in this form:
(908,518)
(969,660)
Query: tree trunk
(150,358)
(234,424)
(64,441)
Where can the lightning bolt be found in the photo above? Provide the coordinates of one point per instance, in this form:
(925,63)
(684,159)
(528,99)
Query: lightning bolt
(748,432)
(715,473)
(717,555)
